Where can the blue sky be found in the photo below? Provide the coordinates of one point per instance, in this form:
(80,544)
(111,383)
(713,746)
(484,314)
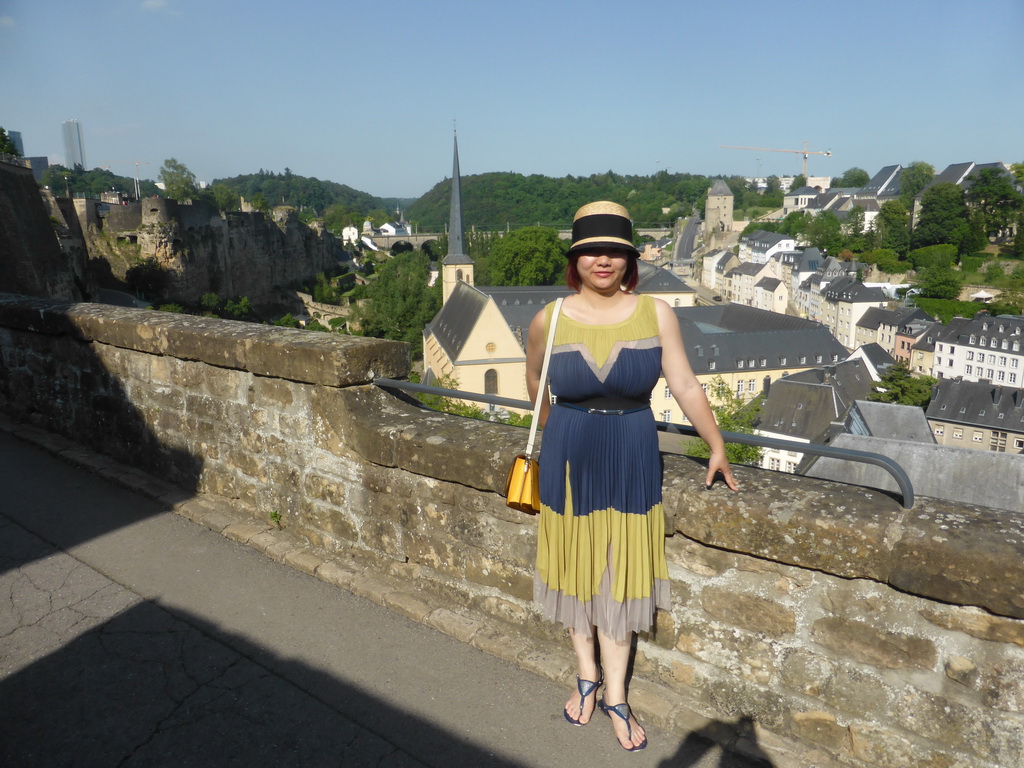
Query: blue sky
(366,94)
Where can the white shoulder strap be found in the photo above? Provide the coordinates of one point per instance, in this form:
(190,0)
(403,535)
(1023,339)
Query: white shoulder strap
(543,377)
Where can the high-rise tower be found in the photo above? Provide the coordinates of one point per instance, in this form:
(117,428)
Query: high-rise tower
(74,145)
(456,265)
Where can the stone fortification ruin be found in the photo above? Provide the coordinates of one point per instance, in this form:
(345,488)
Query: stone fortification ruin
(818,623)
(66,249)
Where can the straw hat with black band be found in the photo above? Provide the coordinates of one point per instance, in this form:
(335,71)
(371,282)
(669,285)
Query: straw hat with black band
(602,225)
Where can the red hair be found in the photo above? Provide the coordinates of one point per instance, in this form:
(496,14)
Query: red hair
(629,280)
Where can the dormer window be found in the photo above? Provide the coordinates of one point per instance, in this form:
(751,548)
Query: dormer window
(739,364)
(974,339)
(982,342)
(993,342)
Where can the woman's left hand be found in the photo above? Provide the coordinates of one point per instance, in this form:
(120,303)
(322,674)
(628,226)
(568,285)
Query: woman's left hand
(720,464)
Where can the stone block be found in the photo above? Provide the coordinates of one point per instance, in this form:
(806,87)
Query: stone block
(480,568)
(433,553)
(976,623)
(244,532)
(303,560)
(734,651)
(216,520)
(805,672)
(656,704)
(883,747)
(1002,686)
(454,624)
(408,605)
(820,728)
(503,643)
(333,572)
(553,665)
(962,555)
(749,612)
(871,645)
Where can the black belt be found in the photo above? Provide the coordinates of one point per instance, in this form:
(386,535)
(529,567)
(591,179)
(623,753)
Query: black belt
(607,406)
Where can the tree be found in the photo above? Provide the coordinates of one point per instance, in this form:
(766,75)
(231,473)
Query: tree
(942,210)
(148,278)
(992,195)
(225,198)
(940,283)
(733,414)
(892,227)
(7,144)
(825,233)
(798,182)
(399,302)
(528,256)
(179,182)
(913,179)
(854,236)
(898,385)
(852,178)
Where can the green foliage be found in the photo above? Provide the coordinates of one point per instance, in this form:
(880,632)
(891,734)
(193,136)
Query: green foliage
(529,256)
(93,183)
(940,283)
(325,292)
(886,260)
(179,181)
(307,193)
(995,200)
(852,177)
(913,179)
(287,321)
(825,233)
(316,325)
(7,144)
(211,302)
(240,309)
(898,385)
(932,256)
(892,227)
(176,309)
(943,210)
(399,303)
(500,201)
(946,309)
(225,198)
(733,414)
(468,410)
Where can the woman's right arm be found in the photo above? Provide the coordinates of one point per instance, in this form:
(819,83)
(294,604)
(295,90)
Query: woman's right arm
(535,341)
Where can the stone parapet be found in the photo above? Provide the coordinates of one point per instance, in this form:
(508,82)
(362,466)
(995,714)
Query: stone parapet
(819,623)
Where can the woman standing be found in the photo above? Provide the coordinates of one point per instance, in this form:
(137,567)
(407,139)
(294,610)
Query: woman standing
(601,566)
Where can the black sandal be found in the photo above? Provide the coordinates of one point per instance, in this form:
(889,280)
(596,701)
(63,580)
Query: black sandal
(622,710)
(586,688)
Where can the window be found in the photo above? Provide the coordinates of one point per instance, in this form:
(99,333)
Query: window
(764,361)
(991,373)
(993,342)
(1001,375)
(666,415)
(1018,442)
(969,370)
(750,362)
(957,433)
(668,393)
(791,466)
(751,386)
(491,347)
(970,355)
(739,364)
(835,358)
(782,361)
(977,437)
(803,359)
(774,464)
(711,365)
(739,388)
(491,382)
(998,442)
(818,359)
(939,430)
(1013,378)
(1014,362)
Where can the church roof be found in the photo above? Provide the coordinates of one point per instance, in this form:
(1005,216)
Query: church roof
(456,246)
(454,323)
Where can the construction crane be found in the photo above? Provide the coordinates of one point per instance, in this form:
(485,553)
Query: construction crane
(805,152)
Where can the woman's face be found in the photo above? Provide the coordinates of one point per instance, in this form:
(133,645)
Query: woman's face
(602,269)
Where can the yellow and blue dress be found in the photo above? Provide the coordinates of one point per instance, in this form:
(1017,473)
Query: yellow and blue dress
(601,539)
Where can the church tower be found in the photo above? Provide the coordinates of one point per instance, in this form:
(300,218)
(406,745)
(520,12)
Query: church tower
(456,265)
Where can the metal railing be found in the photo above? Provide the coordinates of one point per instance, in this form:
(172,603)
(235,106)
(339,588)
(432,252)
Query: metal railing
(897,472)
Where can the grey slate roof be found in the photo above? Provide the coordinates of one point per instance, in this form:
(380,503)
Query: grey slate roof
(889,420)
(768,283)
(978,403)
(454,323)
(877,316)
(1000,327)
(728,334)
(807,404)
(876,356)
(885,183)
(657,279)
(853,290)
(720,189)
(926,341)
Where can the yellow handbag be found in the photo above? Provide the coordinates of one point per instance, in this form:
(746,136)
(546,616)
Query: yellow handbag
(522,488)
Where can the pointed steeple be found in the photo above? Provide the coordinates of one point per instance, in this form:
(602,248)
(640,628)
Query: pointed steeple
(456,265)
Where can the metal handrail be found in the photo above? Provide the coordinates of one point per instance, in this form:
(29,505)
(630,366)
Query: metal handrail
(815,449)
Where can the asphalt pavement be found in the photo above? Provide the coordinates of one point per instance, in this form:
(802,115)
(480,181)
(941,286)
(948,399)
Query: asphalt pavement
(131,636)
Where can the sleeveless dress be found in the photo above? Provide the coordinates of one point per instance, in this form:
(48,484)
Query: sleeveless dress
(601,537)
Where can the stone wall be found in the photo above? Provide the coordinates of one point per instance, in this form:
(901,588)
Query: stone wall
(817,623)
(232,254)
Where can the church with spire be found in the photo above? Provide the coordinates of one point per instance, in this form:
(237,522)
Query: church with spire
(477,341)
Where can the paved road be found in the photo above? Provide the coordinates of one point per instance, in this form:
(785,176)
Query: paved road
(130,636)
